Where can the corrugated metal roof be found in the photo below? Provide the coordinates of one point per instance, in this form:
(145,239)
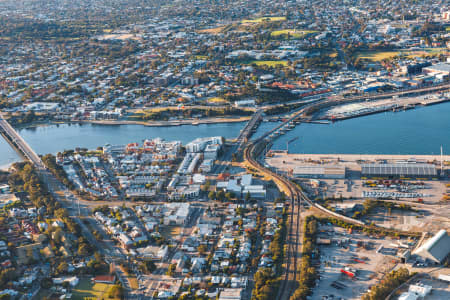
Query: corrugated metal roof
(438,247)
(406,169)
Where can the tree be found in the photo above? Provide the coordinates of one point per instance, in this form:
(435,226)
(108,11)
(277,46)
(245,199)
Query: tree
(202,249)
(221,196)
(83,249)
(61,213)
(62,267)
(247,197)
(171,270)
(116,291)
(148,266)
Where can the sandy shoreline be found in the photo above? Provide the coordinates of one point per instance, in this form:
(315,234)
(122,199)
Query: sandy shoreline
(170,123)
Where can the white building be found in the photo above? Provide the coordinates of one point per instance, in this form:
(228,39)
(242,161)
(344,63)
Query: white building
(199,145)
(230,294)
(420,290)
(436,249)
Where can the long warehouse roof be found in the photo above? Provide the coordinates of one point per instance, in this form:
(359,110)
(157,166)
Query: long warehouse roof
(399,169)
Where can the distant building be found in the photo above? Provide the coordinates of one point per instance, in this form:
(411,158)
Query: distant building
(438,69)
(414,68)
(243,103)
(230,294)
(109,279)
(189,80)
(436,249)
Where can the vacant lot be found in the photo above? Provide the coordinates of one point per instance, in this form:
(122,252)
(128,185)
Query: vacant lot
(346,251)
(169,232)
(215,30)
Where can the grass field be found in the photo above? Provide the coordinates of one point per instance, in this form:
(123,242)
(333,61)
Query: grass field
(200,57)
(269,63)
(267,19)
(217,100)
(294,34)
(380,55)
(86,290)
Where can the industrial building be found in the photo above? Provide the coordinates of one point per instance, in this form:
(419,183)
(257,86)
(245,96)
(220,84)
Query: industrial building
(435,249)
(319,171)
(242,186)
(438,69)
(399,170)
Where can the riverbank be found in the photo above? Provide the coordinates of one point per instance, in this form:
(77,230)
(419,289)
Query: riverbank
(141,123)
(170,123)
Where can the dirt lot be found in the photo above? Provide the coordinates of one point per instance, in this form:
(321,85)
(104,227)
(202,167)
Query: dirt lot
(433,213)
(334,257)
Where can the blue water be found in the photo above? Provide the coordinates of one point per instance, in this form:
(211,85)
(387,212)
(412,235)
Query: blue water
(418,131)
(55,138)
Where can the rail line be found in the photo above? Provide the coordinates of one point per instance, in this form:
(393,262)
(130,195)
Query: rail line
(253,150)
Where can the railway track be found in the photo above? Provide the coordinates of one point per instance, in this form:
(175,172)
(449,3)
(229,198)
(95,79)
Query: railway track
(296,196)
(290,275)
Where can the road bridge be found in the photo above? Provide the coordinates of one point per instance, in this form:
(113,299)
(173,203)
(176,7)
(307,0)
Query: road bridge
(19,143)
(251,125)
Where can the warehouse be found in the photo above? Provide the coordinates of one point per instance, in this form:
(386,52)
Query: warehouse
(314,171)
(399,170)
(438,69)
(436,249)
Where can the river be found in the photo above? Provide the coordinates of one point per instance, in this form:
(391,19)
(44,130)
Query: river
(55,138)
(418,131)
